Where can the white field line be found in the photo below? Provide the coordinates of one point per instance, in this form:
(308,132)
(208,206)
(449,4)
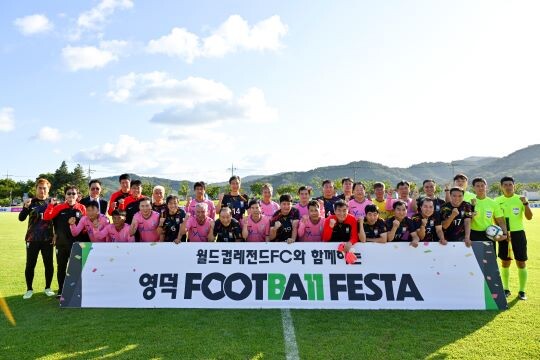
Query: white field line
(291,348)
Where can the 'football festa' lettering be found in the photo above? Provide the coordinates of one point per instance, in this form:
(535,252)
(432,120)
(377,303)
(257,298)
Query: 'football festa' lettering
(306,287)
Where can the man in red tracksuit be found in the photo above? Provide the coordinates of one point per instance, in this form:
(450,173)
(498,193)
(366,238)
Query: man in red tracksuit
(60,215)
(117,198)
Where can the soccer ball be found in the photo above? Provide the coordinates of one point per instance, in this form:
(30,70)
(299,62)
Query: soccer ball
(493,231)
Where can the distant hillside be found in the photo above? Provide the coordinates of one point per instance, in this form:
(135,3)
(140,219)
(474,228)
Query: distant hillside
(523,164)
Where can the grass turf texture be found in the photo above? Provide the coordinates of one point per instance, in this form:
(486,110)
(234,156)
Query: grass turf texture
(45,331)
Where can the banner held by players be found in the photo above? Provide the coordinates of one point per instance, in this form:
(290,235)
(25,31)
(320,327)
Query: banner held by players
(275,275)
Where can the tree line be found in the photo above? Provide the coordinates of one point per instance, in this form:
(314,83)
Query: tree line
(11,191)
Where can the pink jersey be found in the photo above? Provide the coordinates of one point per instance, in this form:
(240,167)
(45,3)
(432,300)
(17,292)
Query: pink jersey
(110,234)
(308,231)
(358,209)
(147,227)
(196,231)
(258,231)
(270,208)
(304,210)
(390,205)
(87,224)
(190,208)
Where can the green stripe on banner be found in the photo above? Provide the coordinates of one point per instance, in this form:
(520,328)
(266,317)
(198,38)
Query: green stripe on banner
(85,251)
(490,302)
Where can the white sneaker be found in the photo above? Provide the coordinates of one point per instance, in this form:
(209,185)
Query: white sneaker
(49,292)
(28,295)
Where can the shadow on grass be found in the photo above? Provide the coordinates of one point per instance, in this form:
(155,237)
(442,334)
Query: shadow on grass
(383,334)
(44,331)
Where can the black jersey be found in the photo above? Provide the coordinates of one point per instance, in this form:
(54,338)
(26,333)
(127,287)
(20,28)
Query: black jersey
(229,233)
(237,203)
(38,229)
(404,230)
(285,231)
(374,231)
(456,230)
(171,225)
(328,204)
(432,222)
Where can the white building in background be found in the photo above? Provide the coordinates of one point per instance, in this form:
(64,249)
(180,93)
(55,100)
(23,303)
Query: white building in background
(531,195)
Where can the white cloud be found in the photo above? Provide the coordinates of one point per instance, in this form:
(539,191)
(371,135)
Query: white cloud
(33,24)
(7,119)
(160,156)
(194,100)
(51,134)
(95,18)
(233,35)
(179,43)
(130,152)
(160,88)
(91,57)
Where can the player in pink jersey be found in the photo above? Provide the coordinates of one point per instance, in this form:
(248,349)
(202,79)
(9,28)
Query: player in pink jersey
(357,205)
(92,222)
(146,222)
(200,197)
(268,206)
(304,194)
(197,227)
(403,190)
(311,226)
(118,231)
(257,226)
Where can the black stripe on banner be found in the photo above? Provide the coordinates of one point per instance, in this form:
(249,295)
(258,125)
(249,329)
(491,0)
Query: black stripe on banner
(72,291)
(484,251)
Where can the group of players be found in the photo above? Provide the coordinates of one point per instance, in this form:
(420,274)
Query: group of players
(351,217)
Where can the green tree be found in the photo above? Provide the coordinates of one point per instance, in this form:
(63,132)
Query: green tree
(79,179)
(147,188)
(213,191)
(290,188)
(256,189)
(62,177)
(183,190)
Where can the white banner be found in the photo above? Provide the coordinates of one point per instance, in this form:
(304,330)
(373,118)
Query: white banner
(278,275)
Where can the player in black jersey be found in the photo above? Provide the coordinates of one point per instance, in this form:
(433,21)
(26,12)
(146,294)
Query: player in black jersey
(372,228)
(284,222)
(226,229)
(328,197)
(237,202)
(39,237)
(170,220)
(456,217)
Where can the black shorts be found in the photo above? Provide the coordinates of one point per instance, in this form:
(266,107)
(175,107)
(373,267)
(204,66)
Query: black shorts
(519,247)
(481,236)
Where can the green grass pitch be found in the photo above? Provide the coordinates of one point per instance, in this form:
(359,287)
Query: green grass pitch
(44,331)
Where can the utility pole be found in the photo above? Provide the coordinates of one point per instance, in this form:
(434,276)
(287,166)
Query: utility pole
(10,189)
(232,168)
(90,171)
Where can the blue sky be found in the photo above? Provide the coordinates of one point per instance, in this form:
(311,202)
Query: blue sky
(184,89)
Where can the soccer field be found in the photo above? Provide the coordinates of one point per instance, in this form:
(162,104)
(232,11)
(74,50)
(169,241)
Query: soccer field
(44,331)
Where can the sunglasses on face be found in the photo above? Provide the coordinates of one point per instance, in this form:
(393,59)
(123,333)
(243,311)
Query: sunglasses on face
(71,193)
(95,188)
